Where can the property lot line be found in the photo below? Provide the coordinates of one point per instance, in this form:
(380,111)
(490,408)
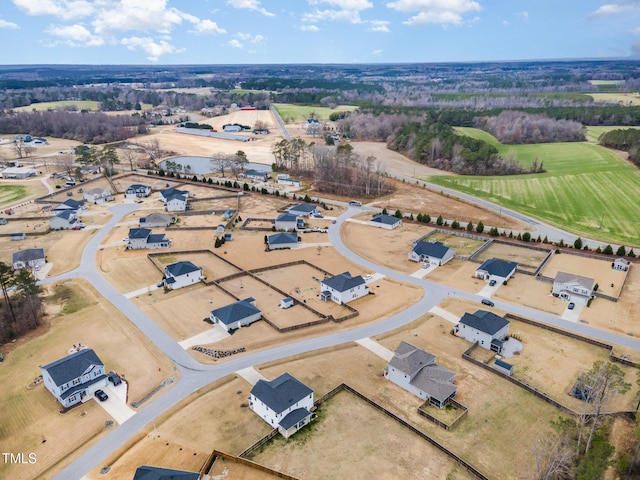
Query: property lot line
(141,291)
(375,347)
(211,335)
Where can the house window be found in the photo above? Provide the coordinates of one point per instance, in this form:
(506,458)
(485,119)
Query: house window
(76,381)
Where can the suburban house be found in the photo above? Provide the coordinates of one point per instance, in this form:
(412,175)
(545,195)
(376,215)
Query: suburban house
(74,377)
(288,223)
(97,195)
(573,288)
(621,264)
(181,274)
(236,315)
(64,220)
(70,205)
(434,253)
(255,175)
(282,240)
(284,179)
(417,372)
(31,258)
(496,269)
(486,328)
(164,195)
(284,403)
(388,222)
(176,203)
(146,472)
(343,288)
(143,238)
(304,210)
(157,220)
(137,190)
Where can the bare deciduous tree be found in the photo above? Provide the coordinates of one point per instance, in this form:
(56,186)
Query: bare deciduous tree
(554,457)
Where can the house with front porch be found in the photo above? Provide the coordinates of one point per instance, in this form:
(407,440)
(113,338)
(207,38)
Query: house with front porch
(97,195)
(75,377)
(496,269)
(282,240)
(416,371)
(486,328)
(343,288)
(70,205)
(287,222)
(181,274)
(140,238)
(433,253)
(30,258)
(304,210)
(284,403)
(236,315)
(63,220)
(137,190)
(573,288)
(388,222)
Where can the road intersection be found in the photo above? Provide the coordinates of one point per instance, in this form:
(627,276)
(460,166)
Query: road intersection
(192,375)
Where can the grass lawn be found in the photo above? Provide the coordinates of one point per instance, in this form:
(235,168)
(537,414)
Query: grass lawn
(587,189)
(80,104)
(616,97)
(10,194)
(301,112)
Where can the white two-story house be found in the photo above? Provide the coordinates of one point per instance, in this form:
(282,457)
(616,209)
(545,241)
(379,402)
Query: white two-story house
(573,288)
(486,328)
(343,288)
(181,274)
(284,403)
(75,377)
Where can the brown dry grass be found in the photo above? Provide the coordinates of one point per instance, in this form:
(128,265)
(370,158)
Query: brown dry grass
(527,258)
(458,274)
(464,246)
(31,416)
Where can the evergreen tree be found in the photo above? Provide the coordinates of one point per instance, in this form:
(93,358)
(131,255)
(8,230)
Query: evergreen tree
(439,220)
(578,243)
(480,227)
(608,250)
(621,252)
(470,226)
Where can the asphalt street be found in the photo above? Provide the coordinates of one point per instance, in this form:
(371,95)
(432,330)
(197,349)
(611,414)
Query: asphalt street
(192,376)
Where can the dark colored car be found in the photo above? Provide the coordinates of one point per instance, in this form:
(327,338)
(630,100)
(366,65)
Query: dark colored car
(486,301)
(492,283)
(571,306)
(101,395)
(114,378)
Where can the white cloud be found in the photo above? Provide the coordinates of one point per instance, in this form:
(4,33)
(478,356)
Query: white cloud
(208,26)
(6,24)
(66,9)
(344,11)
(358,5)
(612,9)
(376,53)
(309,28)
(523,15)
(153,49)
(235,43)
(379,26)
(74,36)
(250,5)
(242,39)
(444,12)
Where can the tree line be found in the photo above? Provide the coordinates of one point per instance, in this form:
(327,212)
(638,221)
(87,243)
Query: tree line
(627,140)
(21,310)
(514,127)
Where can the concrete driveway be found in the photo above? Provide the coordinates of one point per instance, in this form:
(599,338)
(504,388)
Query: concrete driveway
(573,315)
(487,291)
(116,404)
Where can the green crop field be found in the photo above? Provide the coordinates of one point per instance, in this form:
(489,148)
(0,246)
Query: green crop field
(301,112)
(593,133)
(587,189)
(79,104)
(10,194)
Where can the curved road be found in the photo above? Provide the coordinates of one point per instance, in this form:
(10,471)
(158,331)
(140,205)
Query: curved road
(193,375)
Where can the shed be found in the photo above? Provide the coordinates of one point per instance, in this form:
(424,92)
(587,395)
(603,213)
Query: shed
(17,236)
(286,302)
(503,367)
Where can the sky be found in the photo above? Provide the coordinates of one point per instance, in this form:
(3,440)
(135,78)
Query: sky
(314,31)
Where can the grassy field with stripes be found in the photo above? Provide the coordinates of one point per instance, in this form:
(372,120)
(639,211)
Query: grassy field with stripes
(587,189)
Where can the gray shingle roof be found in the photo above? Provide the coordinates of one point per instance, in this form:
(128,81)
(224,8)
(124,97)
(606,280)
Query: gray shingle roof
(281,393)
(484,321)
(431,249)
(497,267)
(157,238)
(235,311)
(66,214)
(157,218)
(28,255)
(181,268)
(294,417)
(303,207)
(137,187)
(146,472)
(280,238)
(137,233)
(410,359)
(386,219)
(286,217)
(173,191)
(343,282)
(72,366)
(586,282)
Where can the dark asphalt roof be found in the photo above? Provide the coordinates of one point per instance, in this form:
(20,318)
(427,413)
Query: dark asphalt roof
(286,217)
(28,255)
(386,219)
(500,268)
(484,321)
(138,187)
(146,472)
(235,311)
(181,268)
(72,366)
(66,214)
(294,417)
(304,207)
(280,238)
(137,233)
(157,238)
(431,249)
(343,282)
(281,393)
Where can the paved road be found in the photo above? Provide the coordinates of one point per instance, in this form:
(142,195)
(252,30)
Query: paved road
(193,376)
(281,124)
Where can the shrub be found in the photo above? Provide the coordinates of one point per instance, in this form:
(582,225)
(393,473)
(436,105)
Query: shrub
(526,236)
(470,226)
(608,250)
(439,220)
(480,227)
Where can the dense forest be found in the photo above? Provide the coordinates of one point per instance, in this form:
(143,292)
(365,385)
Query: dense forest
(513,127)
(627,140)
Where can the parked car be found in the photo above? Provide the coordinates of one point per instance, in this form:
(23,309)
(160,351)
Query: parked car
(76,227)
(114,378)
(100,395)
(492,283)
(368,277)
(571,306)
(426,265)
(489,303)
(354,203)
(318,215)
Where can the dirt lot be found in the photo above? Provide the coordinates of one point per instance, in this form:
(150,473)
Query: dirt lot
(459,274)
(600,270)
(527,258)
(464,246)
(51,150)
(532,293)
(31,422)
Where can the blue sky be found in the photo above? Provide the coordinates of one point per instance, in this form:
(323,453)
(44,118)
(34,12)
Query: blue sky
(314,31)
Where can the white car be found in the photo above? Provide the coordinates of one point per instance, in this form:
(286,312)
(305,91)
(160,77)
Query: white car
(426,265)
(368,277)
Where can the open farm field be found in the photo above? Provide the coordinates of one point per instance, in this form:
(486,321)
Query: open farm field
(79,104)
(594,133)
(586,189)
(300,113)
(31,422)
(618,97)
